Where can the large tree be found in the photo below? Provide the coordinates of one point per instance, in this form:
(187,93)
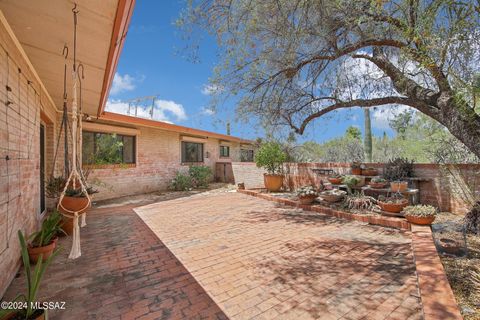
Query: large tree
(292,61)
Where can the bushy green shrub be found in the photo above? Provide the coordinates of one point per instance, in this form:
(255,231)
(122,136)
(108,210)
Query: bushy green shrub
(271,157)
(200,176)
(181,182)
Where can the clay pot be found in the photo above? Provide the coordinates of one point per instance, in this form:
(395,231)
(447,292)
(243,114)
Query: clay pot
(356,171)
(46,251)
(74,204)
(450,246)
(67,225)
(307,199)
(273,182)
(377,185)
(335,180)
(393,207)
(399,186)
(369,172)
(420,220)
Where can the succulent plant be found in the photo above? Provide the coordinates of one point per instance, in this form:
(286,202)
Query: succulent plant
(359,201)
(394,198)
(420,210)
(356,165)
(306,191)
(378,180)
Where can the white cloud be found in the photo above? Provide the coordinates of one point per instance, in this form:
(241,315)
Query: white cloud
(122,83)
(382,115)
(207,111)
(164,110)
(210,89)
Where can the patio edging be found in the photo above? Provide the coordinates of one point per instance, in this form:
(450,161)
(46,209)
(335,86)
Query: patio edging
(438,300)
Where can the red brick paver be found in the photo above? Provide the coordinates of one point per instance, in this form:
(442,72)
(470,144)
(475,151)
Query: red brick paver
(125,272)
(259,260)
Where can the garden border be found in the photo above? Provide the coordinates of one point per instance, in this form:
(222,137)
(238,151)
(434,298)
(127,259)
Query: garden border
(438,300)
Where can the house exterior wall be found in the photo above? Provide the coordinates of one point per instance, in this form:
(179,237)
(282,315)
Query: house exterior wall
(22,108)
(158,158)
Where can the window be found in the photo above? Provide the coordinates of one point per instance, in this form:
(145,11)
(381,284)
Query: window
(107,148)
(224,151)
(246,155)
(192,152)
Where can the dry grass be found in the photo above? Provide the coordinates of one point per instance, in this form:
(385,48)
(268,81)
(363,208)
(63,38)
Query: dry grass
(464,274)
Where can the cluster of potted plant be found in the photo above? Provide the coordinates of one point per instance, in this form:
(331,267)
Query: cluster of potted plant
(393,204)
(33,281)
(378,183)
(420,214)
(307,194)
(44,241)
(333,195)
(271,157)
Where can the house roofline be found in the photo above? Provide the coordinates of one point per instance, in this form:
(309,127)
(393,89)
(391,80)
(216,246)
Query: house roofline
(116,117)
(120,28)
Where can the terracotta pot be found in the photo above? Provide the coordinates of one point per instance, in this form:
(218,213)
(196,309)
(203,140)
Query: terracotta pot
(450,246)
(356,171)
(393,207)
(46,251)
(273,182)
(335,180)
(399,186)
(369,172)
(75,204)
(377,185)
(307,199)
(420,220)
(67,225)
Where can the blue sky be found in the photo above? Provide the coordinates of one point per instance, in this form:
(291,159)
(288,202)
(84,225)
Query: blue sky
(151,65)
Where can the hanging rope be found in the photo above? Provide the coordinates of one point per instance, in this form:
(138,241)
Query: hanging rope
(75,178)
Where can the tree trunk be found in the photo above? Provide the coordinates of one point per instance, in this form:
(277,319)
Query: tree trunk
(368,135)
(472,220)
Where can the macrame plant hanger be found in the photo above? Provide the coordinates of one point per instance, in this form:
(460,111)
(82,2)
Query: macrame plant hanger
(75,177)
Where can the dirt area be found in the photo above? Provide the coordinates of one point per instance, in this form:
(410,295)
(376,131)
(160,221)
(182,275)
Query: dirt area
(460,270)
(158,196)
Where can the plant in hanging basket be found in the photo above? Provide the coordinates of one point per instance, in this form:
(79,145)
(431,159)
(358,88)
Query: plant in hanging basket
(54,187)
(75,200)
(393,204)
(34,278)
(306,194)
(420,214)
(399,186)
(335,178)
(356,168)
(378,183)
(44,241)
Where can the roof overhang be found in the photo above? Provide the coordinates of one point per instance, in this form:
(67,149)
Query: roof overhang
(43,27)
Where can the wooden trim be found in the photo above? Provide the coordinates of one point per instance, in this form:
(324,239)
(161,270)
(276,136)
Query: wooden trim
(45,118)
(105,128)
(193,139)
(111,116)
(120,28)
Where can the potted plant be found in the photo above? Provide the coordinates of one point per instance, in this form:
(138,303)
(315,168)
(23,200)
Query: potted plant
(399,186)
(44,241)
(351,181)
(335,178)
(75,200)
(393,204)
(271,157)
(370,171)
(420,214)
(378,183)
(333,195)
(359,201)
(356,168)
(307,194)
(34,278)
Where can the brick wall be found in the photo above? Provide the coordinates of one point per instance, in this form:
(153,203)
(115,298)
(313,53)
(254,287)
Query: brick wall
(158,159)
(20,118)
(445,186)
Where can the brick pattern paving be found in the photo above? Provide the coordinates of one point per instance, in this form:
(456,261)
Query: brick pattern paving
(125,272)
(259,260)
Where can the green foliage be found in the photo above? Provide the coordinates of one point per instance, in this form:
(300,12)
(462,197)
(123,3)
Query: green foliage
(181,182)
(378,180)
(34,278)
(200,176)
(398,169)
(350,182)
(353,132)
(420,210)
(306,191)
(271,157)
(54,186)
(49,230)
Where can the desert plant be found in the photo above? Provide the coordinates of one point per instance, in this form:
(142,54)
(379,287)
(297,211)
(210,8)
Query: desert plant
(200,176)
(271,157)
(378,180)
(356,165)
(394,198)
(350,182)
(306,191)
(49,230)
(54,186)
(34,279)
(78,192)
(420,210)
(359,201)
(398,169)
(181,182)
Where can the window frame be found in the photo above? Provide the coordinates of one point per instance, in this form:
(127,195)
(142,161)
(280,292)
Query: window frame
(183,155)
(122,163)
(250,151)
(223,147)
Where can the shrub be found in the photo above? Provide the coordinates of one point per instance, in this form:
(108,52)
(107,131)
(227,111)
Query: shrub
(181,182)
(200,176)
(398,169)
(271,157)
(350,182)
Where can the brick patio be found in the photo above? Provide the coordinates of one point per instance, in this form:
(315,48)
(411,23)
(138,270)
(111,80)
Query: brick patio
(259,260)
